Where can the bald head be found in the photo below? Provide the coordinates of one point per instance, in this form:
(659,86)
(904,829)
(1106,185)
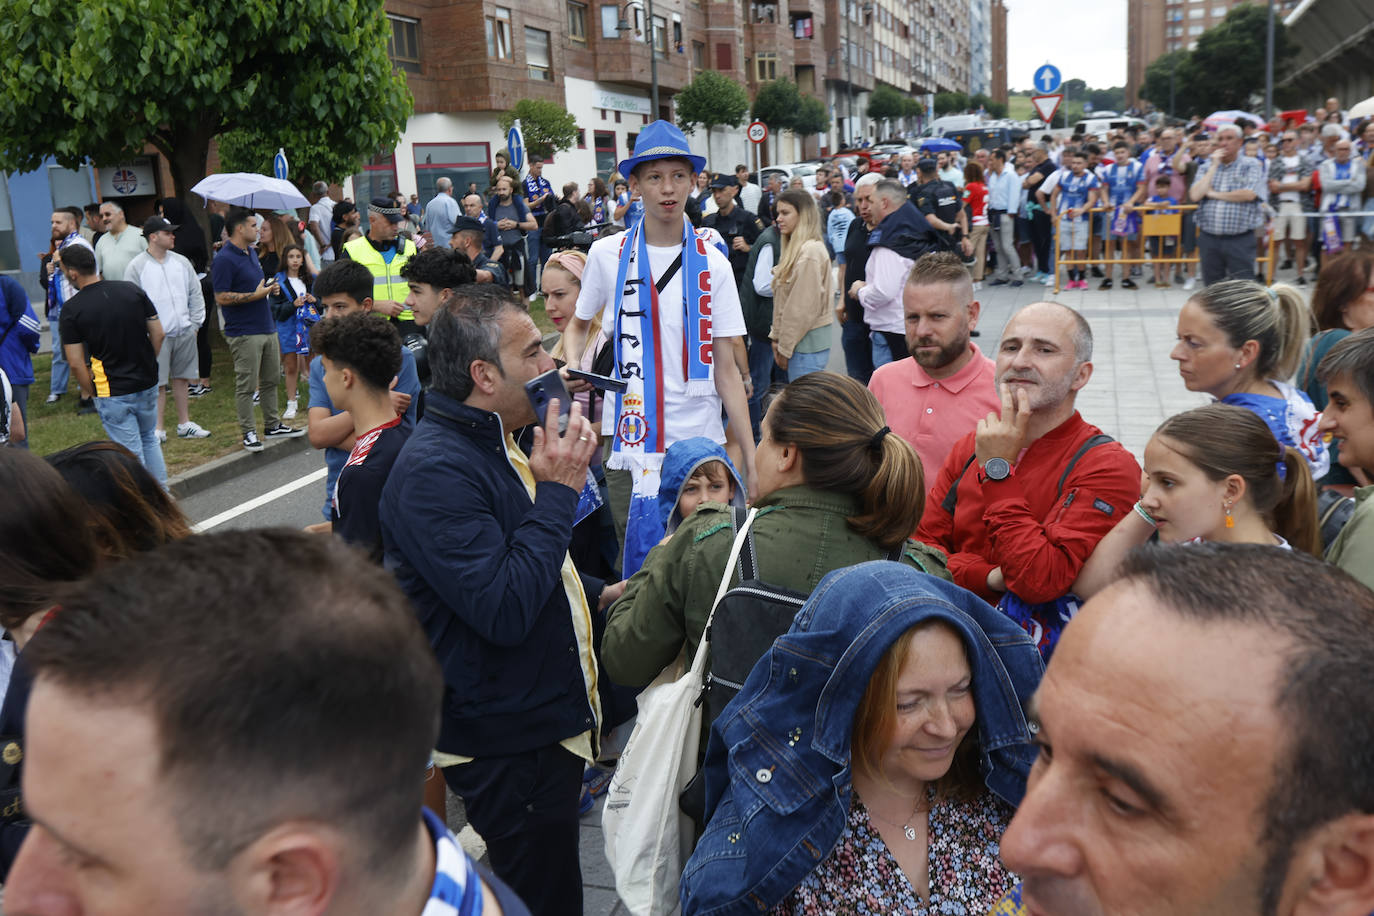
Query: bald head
(1078,333)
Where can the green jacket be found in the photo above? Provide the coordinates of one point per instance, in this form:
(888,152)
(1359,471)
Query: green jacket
(1353,549)
(800,534)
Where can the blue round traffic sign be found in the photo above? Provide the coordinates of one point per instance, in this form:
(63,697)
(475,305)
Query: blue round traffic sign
(515,144)
(279,167)
(1047,78)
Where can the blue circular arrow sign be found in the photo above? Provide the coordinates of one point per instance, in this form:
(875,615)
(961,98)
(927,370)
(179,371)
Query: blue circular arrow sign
(515,143)
(1047,79)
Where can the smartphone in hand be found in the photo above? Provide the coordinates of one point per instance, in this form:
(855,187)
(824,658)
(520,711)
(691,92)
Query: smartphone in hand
(544,388)
(600,382)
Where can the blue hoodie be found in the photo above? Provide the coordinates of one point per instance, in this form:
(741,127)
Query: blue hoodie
(777,769)
(19,330)
(681,459)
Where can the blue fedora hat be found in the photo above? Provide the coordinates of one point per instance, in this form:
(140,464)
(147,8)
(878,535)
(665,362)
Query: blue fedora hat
(661,140)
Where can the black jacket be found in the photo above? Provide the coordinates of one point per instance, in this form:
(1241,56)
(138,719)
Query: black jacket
(905,231)
(481,565)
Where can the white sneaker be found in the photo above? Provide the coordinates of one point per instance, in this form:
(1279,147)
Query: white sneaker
(161,435)
(192,430)
(1190,283)
(290,412)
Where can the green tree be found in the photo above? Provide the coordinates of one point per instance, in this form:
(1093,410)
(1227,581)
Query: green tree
(912,108)
(985,102)
(1074,89)
(1231,54)
(710,100)
(813,117)
(1176,65)
(1113,99)
(950,102)
(97,81)
(885,103)
(776,104)
(546,126)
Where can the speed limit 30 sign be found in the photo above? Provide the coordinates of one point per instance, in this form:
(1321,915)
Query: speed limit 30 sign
(758,132)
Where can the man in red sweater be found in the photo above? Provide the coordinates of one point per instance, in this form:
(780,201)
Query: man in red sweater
(1034,489)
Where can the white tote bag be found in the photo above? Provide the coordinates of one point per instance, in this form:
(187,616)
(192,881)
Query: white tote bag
(645,831)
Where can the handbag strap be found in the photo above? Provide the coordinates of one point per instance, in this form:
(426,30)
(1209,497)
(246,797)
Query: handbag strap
(699,661)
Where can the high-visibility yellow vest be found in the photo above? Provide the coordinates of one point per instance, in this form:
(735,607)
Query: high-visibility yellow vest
(386,278)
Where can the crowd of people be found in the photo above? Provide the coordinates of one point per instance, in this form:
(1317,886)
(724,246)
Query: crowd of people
(949,623)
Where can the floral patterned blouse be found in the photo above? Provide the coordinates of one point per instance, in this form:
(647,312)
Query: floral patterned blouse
(860,877)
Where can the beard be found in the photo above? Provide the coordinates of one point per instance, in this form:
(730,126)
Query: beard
(1044,392)
(946,354)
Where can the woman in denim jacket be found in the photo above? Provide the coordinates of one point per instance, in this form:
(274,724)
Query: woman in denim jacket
(872,759)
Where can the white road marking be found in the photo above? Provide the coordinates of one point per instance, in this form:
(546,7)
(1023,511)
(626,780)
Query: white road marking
(259,501)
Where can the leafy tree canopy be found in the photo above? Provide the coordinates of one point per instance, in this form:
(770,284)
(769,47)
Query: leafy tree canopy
(950,102)
(98,81)
(813,117)
(985,102)
(546,126)
(711,100)
(885,103)
(776,104)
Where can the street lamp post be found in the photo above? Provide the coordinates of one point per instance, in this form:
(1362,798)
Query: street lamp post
(1269,66)
(623,25)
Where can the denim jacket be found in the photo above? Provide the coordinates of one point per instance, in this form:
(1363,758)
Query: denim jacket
(777,769)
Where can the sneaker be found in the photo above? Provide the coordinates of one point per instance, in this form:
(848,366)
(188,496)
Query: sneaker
(256,396)
(251,442)
(997,283)
(199,391)
(85,406)
(192,430)
(1016,284)
(595,781)
(161,435)
(1190,283)
(1136,271)
(290,412)
(1096,271)
(1287,264)
(53,397)
(1107,283)
(1259,276)
(1128,283)
(282,431)
(1301,281)
(1082,284)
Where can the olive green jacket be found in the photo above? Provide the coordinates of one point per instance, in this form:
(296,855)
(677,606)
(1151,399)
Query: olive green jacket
(1353,549)
(800,534)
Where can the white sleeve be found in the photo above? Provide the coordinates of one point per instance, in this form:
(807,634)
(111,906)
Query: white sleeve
(598,278)
(727,318)
(763,272)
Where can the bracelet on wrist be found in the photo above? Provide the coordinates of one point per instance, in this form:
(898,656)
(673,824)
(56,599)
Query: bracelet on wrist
(1140,510)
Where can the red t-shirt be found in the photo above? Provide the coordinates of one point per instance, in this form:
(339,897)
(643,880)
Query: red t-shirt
(976,196)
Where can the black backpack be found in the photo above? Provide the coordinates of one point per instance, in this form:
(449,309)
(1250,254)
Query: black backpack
(1333,511)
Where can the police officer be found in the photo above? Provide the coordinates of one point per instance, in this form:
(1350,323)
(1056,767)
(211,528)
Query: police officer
(384,253)
(737,226)
(938,201)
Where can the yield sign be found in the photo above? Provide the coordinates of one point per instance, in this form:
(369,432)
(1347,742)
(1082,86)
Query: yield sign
(1046,106)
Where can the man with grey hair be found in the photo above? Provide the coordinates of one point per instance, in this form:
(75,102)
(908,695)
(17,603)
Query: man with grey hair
(321,224)
(1229,191)
(1343,183)
(1020,502)
(854,330)
(440,213)
(900,235)
(477,534)
(121,243)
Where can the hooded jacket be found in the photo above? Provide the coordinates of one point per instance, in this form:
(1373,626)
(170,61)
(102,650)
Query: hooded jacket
(906,232)
(682,458)
(18,332)
(777,770)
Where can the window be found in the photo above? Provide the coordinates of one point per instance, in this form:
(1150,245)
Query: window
(581,138)
(699,55)
(661,36)
(604,141)
(377,179)
(537,58)
(1194,30)
(577,21)
(630,143)
(766,66)
(610,16)
(9,248)
(1218,12)
(725,57)
(403,47)
(677,33)
(464,163)
(498,33)
(1196,12)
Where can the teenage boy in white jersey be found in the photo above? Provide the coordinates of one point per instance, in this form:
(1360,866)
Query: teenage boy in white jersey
(664,339)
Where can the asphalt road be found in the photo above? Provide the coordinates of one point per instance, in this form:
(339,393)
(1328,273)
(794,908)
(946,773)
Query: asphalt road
(288,492)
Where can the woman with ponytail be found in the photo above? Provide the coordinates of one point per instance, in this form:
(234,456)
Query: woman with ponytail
(836,488)
(803,288)
(1240,342)
(1214,473)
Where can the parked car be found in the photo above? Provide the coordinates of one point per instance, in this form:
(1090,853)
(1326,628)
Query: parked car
(980,138)
(941,127)
(804,170)
(1096,126)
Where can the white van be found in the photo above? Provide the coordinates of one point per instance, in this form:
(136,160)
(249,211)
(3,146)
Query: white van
(941,126)
(1098,127)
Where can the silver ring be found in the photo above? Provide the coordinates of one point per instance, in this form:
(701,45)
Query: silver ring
(582,438)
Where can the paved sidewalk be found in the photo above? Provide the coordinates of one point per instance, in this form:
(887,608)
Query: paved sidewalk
(1134,387)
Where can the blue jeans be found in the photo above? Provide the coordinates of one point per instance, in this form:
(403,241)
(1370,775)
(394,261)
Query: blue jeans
(858,351)
(763,373)
(61,372)
(805,363)
(131,421)
(537,253)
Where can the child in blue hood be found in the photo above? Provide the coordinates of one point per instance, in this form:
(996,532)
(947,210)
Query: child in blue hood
(696,471)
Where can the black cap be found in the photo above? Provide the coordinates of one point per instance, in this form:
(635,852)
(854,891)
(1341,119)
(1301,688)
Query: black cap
(383,206)
(466,223)
(157,224)
(722,180)
(926,165)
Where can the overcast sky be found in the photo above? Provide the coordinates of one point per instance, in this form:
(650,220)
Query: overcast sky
(1085,39)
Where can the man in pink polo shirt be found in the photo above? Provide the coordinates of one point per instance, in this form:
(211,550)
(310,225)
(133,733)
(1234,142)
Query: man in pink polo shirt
(939,393)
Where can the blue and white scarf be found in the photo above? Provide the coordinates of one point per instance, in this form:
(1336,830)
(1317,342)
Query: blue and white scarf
(1332,236)
(457,888)
(640,436)
(57,293)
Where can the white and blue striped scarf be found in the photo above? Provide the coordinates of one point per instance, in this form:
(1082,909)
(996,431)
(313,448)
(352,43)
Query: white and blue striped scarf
(457,889)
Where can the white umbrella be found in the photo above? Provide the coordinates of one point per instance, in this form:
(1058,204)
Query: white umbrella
(1362,110)
(1218,118)
(248,189)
